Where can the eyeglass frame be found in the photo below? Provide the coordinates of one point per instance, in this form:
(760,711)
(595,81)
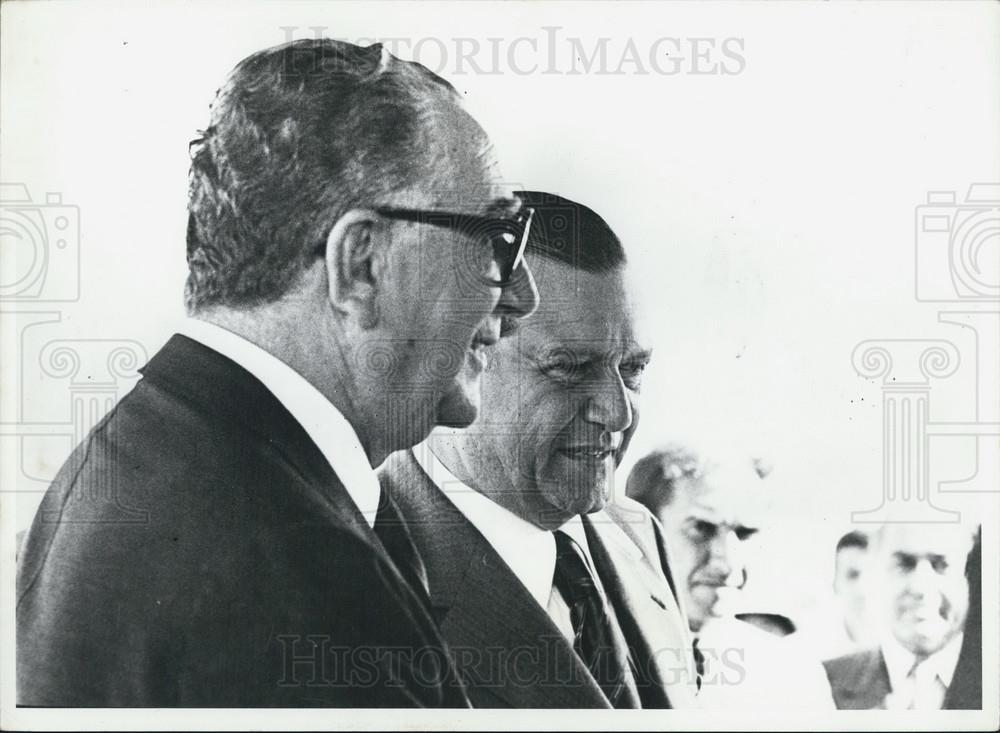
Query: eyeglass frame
(518,225)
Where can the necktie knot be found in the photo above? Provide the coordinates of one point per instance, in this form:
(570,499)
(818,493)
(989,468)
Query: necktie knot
(573,578)
(926,688)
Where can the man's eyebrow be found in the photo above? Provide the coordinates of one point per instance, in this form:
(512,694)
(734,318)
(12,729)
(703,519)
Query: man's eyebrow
(701,513)
(703,520)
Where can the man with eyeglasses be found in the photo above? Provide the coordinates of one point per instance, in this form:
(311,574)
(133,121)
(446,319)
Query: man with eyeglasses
(550,592)
(220,538)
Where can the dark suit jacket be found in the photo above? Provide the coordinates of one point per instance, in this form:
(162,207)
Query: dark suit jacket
(859,681)
(198,550)
(505,646)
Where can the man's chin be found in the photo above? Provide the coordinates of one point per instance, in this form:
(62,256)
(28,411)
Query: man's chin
(459,407)
(925,638)
(584,502)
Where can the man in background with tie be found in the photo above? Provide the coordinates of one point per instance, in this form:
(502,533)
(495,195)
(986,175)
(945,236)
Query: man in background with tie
(921,571)
(548,593)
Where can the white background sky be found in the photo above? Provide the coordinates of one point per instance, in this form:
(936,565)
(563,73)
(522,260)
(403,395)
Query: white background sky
(771,211)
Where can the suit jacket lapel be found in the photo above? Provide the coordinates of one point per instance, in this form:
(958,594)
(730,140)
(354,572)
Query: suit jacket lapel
(647,613)
(239,397)
(504,644)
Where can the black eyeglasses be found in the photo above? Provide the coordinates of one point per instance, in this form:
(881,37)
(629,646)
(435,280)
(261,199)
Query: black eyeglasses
(508,236)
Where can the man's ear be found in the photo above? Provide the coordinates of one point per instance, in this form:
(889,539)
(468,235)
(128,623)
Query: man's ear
(353,266)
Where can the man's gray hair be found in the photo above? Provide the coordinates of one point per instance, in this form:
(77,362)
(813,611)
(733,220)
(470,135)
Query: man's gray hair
(300,134)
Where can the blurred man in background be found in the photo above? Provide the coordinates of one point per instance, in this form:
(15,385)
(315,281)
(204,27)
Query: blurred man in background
(711,506)
(921,573)
(548,593)
(849,586)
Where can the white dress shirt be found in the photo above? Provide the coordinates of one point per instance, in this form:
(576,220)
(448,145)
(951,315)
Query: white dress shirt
(529,550)
(919,686)
(324,423)
(747,668)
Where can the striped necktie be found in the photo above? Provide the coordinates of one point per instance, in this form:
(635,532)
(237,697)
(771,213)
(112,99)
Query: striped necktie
(699,662)
(597,641)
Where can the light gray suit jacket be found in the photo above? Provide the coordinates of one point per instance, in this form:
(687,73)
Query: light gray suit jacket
(504,644)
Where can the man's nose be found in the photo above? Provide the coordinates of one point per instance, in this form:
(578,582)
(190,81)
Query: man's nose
(609,405)
(726,557)
(519,298)
(922,579)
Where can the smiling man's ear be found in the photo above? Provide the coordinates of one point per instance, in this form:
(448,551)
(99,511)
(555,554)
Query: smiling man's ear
(353,266)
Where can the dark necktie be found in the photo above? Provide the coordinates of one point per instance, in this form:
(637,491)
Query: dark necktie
(395,537)
(596,641)
(699,662)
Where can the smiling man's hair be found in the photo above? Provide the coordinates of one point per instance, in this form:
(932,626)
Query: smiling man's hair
(570,233)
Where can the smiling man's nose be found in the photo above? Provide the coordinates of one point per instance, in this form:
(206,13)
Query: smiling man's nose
(610,407)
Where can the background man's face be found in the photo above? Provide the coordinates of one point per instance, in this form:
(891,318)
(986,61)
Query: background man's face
(558,397)
(445,314)
(927,590)
(847,582)
(707,524)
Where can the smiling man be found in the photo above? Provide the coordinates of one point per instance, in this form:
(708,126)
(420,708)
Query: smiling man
(549,593)
(215,540)
(924,587)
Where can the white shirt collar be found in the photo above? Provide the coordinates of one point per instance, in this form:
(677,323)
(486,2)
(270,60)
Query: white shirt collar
(899,661)
(528,550)
(322,421)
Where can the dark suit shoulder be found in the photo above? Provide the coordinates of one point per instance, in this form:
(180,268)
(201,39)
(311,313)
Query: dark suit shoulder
(859,680)
(849,665)
(183,558)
